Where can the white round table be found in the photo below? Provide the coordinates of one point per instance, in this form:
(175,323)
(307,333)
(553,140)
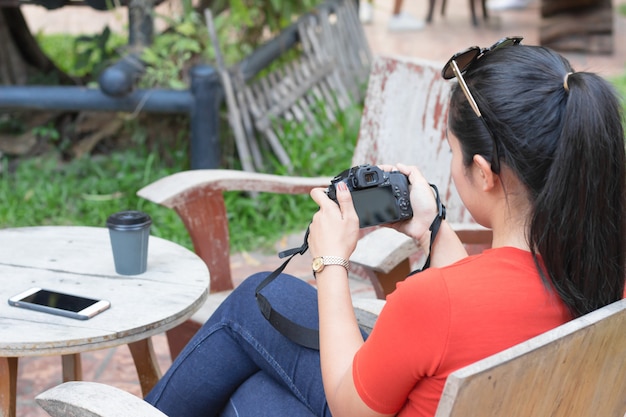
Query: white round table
(79,260)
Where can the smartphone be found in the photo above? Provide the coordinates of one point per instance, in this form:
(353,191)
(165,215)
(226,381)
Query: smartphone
(68,305)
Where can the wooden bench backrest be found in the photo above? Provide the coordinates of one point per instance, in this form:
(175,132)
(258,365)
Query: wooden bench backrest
(404,120)
(575,370)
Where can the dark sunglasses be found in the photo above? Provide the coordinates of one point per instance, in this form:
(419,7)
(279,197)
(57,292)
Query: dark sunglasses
(459,63)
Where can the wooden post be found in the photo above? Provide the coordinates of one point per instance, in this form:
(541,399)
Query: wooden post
(577,25)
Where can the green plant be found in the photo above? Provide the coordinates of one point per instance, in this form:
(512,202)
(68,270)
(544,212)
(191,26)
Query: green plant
(248,23)
(174,51)
(84,55)
(48,132)
(94,53)
(241,26)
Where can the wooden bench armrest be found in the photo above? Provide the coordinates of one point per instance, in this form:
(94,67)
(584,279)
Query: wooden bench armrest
(170,190)
(92,399)
(367,311)
(197,197)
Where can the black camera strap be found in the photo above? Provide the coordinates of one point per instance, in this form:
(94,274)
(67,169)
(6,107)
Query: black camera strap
(306,336)
(295,332)
(434,228)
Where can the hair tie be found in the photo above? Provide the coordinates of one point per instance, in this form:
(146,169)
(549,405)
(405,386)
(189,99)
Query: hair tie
(565,85)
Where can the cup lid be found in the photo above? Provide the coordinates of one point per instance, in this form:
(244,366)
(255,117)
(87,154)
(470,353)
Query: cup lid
(128,218)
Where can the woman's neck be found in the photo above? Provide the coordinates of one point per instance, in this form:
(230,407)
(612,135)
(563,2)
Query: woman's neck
(510,221)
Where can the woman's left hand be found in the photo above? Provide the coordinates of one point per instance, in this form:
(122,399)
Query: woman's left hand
(334,230)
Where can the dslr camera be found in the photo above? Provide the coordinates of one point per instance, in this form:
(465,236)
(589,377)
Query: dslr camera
(379,197)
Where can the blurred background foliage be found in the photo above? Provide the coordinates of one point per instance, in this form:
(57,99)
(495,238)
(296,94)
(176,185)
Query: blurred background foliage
(51,186)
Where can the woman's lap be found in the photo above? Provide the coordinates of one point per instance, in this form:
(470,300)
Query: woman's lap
(235,344)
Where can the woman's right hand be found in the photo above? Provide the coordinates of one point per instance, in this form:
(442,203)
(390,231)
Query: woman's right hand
(423,204)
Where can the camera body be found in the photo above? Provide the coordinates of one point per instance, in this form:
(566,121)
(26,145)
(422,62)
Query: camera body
(379,197)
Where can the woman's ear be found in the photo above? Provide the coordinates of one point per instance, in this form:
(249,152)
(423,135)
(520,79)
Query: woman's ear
(487,177)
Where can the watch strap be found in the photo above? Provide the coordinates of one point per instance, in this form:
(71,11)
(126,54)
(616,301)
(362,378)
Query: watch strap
(336,260)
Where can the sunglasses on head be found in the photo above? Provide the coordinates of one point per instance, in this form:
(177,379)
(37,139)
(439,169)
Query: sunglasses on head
(461,62)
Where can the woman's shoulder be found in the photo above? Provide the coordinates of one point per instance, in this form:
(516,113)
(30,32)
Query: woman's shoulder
(504,254)
(493,266)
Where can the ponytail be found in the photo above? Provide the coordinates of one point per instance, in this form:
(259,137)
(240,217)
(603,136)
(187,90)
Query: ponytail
(578,224)
(561,133)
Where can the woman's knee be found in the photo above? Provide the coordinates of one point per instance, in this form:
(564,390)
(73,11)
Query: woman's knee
(262,396)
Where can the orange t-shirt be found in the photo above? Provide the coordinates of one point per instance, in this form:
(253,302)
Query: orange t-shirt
(443,319)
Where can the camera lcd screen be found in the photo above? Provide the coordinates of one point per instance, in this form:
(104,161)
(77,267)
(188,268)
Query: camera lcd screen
(61,301)
(375,206)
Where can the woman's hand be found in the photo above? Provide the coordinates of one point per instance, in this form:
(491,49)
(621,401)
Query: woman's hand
(334,230)
(423,204)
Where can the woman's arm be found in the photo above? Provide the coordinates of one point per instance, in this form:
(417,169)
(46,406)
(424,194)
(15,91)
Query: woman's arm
(447,247)
(334,231)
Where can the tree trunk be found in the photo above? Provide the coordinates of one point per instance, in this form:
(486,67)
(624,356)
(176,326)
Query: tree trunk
(21,59)
(577,25)
(20,55)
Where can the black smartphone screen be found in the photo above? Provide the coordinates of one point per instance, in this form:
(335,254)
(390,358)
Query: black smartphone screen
(58,300)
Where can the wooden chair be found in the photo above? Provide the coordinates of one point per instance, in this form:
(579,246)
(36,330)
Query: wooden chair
(472,4)
(404,120)
(577,369)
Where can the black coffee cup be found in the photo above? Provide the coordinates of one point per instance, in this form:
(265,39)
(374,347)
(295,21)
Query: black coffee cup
(130,233)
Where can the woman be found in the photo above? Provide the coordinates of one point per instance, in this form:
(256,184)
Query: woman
(538,157)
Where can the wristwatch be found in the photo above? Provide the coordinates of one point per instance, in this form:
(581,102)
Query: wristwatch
(321,261)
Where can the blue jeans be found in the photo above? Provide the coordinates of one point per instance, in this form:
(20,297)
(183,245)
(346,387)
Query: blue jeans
(239,365)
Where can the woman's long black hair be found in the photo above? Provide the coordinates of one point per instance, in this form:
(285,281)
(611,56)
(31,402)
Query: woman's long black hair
(565,142)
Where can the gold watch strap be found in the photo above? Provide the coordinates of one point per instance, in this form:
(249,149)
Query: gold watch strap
(336,260)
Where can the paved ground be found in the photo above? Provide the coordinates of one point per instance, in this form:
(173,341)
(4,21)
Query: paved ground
(437,42)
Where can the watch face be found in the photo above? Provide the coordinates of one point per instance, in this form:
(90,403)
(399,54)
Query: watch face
(318,264)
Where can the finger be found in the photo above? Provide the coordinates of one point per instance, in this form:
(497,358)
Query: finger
(319,196)
(412,172)
(405,169)
(344,198)
(387,168)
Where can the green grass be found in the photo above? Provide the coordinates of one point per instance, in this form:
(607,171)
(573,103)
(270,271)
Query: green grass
(47,191)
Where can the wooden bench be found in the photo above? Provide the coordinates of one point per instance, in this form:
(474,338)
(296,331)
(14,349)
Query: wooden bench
(404,120)
(575,370)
